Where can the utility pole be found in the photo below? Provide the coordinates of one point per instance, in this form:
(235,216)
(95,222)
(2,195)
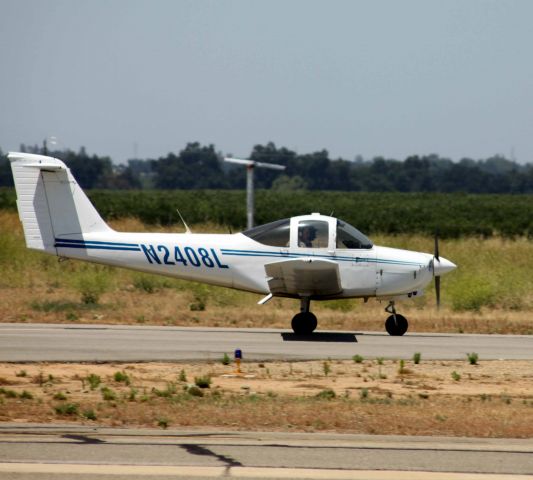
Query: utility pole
(250,166)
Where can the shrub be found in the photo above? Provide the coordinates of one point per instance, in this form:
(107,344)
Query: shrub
(225,359)
(357,359)
(195,391)
(89,414)
(327,369)
(472,358)
(60,396)
(326,394)
(363,393)
(167,393)
(108,394)
(92,284)
(25,395)
(417,357)
(94,380)
(162,422)
(379,360)
(456,376)
(22,373)
(182,376)
(122,377)
(67,409)
(203,381)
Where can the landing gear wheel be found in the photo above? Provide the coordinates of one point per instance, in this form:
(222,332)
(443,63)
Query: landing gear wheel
(304,323)
(396,325)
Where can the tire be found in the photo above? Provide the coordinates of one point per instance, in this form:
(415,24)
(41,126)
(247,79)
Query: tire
(304,323)
(396,326)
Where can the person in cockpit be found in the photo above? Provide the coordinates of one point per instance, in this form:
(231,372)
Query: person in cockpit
(306,235)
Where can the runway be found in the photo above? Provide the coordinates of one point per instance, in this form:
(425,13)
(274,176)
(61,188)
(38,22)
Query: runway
(71,343)
(46,452)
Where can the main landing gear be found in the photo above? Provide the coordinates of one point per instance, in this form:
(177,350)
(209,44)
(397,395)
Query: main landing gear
(305,322)
(396,324)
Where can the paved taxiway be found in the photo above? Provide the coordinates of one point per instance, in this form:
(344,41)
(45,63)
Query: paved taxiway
(60,342)
(43,451)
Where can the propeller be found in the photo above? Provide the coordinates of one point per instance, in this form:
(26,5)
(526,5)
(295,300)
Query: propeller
(437,277)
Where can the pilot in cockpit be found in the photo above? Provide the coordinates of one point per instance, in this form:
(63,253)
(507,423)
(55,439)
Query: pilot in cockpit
(306,235)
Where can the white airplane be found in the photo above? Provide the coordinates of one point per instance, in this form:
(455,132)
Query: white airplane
(309,257)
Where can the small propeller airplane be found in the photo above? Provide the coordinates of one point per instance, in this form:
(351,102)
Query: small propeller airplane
(308,257)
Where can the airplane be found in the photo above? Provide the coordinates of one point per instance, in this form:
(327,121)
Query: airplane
(307,257)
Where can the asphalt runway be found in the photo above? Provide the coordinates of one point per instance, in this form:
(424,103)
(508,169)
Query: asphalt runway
(61,452)
(60,342)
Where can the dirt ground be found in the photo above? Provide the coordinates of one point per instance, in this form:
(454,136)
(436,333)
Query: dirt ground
(492,398)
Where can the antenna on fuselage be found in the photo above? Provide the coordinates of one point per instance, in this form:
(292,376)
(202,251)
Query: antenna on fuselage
(250,166)
(187,229)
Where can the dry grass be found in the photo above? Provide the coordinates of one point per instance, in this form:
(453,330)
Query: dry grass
(493,399)
(491,292)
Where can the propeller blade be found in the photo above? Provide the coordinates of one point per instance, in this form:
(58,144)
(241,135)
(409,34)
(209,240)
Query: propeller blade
(437,244)
(437,290)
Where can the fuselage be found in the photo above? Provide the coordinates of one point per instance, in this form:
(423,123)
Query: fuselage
(237,261)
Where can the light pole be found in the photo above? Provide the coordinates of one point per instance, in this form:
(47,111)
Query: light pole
(250,166)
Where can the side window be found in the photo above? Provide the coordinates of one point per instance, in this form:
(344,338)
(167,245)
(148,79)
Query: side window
(313,234)
(275,234)
(350,237)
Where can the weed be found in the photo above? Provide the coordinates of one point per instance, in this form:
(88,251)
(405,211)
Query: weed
(72,316)
(132,395)
(423,395)
(22,373)
(108,394)
(122,377)
(456,376)
(472,358)
(401,369)
(417,357)
(225,359)
(94,380)
(326,368)
(8,393)
(145,283)
(162,422)
(203,381)
(25,395)
(182,376)
(326,394)
(67,409)
(195,391)
(363,394)
(60,396)
(92,284)
(89,414)
(380,360)
(357,359)
(167,393)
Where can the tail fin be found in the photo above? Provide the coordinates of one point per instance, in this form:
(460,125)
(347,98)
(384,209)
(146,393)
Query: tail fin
(50,202)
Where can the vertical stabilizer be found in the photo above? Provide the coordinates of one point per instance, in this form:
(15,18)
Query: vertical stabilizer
(50,202)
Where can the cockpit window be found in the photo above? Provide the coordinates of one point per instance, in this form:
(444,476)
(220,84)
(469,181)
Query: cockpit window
(350,237)
(275,234)
(313,234)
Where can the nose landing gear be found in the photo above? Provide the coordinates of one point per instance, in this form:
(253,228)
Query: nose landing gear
(395,324)
(305,322)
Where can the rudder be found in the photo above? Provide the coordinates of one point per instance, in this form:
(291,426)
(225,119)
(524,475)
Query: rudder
(50,202)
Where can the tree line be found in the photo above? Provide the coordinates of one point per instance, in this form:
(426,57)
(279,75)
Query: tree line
(201,167)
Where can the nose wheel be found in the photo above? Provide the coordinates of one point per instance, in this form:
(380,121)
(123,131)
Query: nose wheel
(305,322)
(396,324)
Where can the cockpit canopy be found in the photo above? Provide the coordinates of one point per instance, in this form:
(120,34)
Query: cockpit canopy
(310,231)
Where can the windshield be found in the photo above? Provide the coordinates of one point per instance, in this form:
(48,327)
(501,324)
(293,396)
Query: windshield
(275,234)
(350,237)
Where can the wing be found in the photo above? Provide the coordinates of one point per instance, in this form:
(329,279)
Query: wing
(304,276)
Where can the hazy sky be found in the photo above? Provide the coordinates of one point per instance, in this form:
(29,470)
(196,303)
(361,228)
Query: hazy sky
(389,78)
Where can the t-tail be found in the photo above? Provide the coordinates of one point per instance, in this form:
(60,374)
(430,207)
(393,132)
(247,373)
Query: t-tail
(50,202)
